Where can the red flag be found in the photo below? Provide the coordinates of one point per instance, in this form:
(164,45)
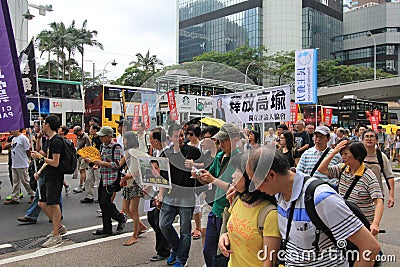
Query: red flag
(172,105)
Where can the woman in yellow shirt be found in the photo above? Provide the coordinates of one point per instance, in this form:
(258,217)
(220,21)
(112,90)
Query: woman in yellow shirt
(243,242)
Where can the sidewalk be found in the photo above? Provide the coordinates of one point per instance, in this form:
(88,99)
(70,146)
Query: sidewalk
(4,158)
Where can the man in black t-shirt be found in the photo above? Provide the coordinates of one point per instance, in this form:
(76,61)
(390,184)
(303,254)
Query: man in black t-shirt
(301,140)
(50,190)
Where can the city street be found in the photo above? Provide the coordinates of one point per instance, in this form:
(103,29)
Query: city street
(20,244)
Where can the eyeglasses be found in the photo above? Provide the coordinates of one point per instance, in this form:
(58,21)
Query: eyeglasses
(190,133)
(369,136)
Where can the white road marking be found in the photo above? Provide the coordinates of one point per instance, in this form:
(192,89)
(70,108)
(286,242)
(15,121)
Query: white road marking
(47,251)
(75,232)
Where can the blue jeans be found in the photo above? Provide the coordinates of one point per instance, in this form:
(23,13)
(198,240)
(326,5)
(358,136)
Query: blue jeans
(33,211)
(180,245)
(212,236)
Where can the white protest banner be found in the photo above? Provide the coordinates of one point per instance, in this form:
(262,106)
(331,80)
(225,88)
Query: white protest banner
(306,76)
(263,105)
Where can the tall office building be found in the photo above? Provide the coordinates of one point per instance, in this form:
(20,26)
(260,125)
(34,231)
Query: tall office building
(376,26)
(284,25)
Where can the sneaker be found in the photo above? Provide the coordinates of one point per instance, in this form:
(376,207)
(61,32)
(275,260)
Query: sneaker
(178,264)
(87,200)
(27,220)
(158,258)
(79,189)
(8,197)
(53,241)
(62,231)
(21,195)
(67,189)
(171,259)
(11,202)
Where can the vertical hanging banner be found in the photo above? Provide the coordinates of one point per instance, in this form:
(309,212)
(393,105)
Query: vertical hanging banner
(13,108)
(28,69)
(145,115)
(306,76)
(136,114)
(293,112)
(172,105)
(328,116)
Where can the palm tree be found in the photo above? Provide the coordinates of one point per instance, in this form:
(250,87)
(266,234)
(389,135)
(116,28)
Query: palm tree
(46,44)
(147,63)
(71,45)
(85,37)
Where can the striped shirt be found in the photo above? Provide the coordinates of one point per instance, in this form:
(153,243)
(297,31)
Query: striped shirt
(333,212)
(310,158)
(109,175)
(366,190)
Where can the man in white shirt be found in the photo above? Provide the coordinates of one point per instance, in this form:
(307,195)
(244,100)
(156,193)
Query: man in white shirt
(271,138)
(19,155)
(143,138)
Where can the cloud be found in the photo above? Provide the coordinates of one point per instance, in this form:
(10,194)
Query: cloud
(125,27)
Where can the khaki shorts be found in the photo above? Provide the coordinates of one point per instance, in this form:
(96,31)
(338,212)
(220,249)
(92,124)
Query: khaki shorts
(82,164)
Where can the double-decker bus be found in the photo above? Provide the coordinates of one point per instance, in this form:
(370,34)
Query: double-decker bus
(354,112)
(58,97)
(114,102)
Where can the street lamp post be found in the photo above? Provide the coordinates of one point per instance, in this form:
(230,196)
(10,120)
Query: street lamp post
(369,34)
(113,62)
(247,70)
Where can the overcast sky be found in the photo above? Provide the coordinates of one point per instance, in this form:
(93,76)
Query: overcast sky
(125,27)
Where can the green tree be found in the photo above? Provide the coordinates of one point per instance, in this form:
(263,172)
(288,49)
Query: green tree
(147,63)
(241,59)
(86,37)
(133,76)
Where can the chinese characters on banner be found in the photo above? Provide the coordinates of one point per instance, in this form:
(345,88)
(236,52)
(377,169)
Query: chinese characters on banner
(264,105)
(306,62)
(145,115)
(135,121)
(293,112)
(328,116)
(172,105)
(13,108)
(374,119)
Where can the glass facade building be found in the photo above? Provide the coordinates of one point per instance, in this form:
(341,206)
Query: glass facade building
(223,25)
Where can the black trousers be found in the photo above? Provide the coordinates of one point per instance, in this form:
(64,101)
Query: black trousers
(108,209)
(162,246)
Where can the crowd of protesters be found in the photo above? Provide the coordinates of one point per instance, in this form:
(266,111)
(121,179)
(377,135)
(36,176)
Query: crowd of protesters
(245,197)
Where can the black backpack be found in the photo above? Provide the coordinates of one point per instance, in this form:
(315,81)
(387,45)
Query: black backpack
(380,162)
(68,160)
(320,225)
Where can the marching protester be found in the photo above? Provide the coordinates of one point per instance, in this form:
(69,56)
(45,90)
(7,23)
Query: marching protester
(366,193)
(109,167)
(92,172)
(270,172)
(220,175)
(19,155)
(312,157)
(301,140)
(143,138)
(180,200)
(243,236)
(379,164)
(82,141)
(132,190)
(158,139)
(50,190)
(286,146)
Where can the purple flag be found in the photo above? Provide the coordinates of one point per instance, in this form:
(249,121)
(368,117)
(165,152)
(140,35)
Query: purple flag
(13,109)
